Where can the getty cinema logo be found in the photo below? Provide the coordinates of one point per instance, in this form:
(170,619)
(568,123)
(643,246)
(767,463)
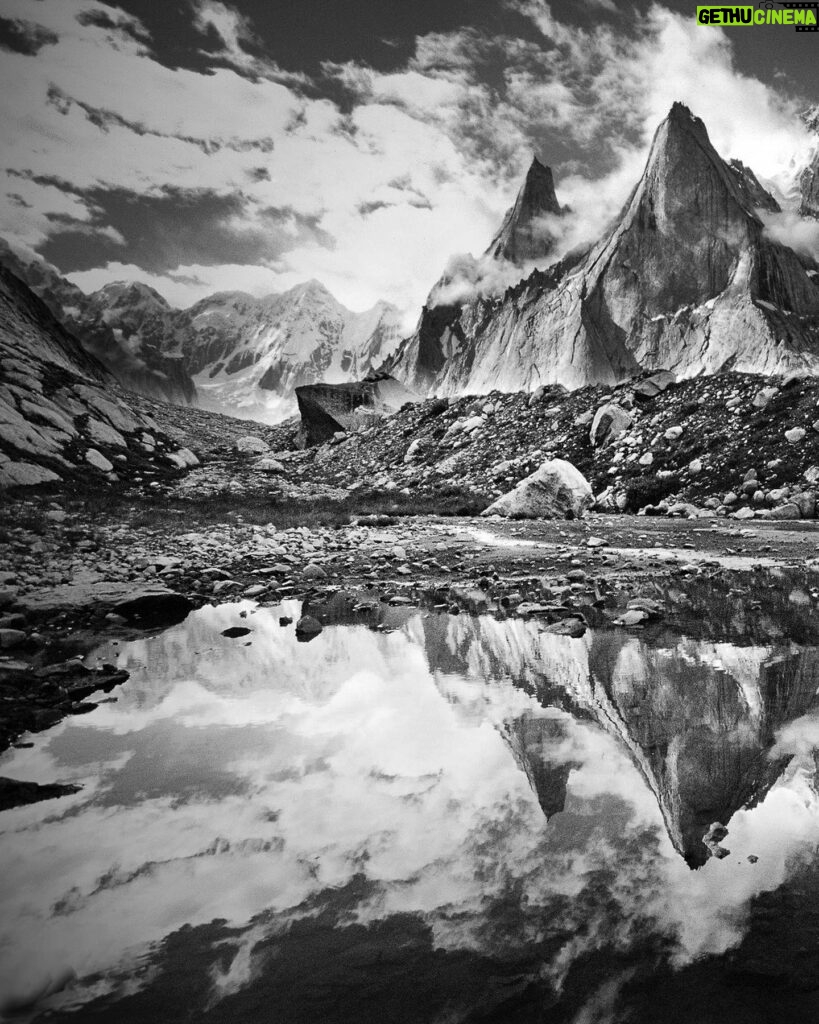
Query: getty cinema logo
(803,17)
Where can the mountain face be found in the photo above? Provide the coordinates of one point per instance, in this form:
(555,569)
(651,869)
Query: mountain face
(524,235)
(248,356)
(61,413)
(230,352)
(686,280)
(114,325)
(809,179)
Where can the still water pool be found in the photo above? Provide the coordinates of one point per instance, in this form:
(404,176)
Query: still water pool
(421,818)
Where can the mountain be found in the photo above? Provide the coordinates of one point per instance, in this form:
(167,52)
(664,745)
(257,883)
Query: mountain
(524,234)
(685,279)
(809,178)
(121,325)
(230,352)
(248,356)
(62,415)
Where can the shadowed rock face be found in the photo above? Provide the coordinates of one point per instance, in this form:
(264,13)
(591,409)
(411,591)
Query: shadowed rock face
(809,179)
(61,412)
(326,409)
(524,235)
(685,280)
(531,739)
(698,717)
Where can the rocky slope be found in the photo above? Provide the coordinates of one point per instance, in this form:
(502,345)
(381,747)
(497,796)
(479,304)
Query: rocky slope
(685,280)
(739,445)
(62,416)
(123,325)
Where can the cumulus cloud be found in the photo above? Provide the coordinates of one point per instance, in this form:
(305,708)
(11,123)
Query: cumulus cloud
(394,171)
(799,233)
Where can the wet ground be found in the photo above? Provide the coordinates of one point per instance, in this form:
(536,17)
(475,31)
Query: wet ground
(487,798)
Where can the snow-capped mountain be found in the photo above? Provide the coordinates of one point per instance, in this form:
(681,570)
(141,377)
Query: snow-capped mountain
(113,325)
(248,355)
(230,352)
(686,279)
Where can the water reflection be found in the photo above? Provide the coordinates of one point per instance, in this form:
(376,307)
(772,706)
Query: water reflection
(415,818)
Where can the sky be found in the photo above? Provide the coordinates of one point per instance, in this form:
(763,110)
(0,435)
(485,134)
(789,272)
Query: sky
(203,146)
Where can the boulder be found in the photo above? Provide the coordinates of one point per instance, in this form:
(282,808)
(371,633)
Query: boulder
(610,421)
(558,490)
(326,409)
(249,444)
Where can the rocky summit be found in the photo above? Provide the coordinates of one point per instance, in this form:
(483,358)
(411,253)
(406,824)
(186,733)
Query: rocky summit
(685,280)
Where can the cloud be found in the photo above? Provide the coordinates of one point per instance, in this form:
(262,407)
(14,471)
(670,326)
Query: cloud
(384,174)
(18,36)
(799,233)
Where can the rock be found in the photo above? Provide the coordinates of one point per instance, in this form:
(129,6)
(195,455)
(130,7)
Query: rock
(695,467)
(328,408)
(655,384)
(269,465)
(610,421)
(98,460)
(145,607)
(795,435)
(307,628)
(412,451)
(790,510)
(250,444)
(743,513)
(314,572)
(730,498)
(646,459)
(16,793)
(673,433)
(11,638)
(763,397)
(806,501)
(555,491)
(233,632)
(632,617)
(25,474)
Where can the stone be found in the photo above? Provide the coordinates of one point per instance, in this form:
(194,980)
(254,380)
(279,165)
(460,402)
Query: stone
(557,490)
(743,513)
(269,465)
(11,638)
(233,632)
(646,459)
(695,467)
(308,628)
(610,421)
(104,433)
(730,498)
(25,474)
(790,510)
(249,444)
(673,433)
(763,397)
(98,460)
(314,572)
(806,501)
(795,435)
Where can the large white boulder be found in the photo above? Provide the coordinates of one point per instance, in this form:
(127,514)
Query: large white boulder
(558,490)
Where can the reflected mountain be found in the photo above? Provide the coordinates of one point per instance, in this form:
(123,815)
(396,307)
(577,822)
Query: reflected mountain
(697,718)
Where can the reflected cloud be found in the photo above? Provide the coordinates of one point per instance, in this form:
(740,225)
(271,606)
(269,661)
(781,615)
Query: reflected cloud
(473,791)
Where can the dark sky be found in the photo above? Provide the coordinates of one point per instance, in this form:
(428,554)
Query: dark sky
(200,144)
(300,35)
